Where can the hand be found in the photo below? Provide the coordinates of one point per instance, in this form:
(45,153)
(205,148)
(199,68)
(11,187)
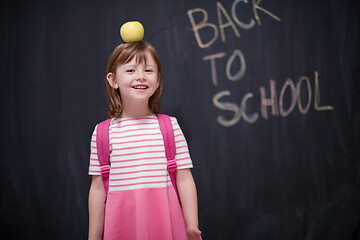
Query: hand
(193,233)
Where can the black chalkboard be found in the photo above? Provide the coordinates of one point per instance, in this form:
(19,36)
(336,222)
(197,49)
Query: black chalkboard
(267,94)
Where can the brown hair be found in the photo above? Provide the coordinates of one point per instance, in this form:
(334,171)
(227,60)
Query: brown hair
(122,54)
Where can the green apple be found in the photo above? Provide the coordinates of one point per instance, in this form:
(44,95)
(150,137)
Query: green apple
(132,32)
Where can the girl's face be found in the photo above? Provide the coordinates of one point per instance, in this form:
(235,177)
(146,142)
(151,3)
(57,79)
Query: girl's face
(136,81)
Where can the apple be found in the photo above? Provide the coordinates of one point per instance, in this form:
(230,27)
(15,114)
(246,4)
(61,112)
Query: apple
(132,31)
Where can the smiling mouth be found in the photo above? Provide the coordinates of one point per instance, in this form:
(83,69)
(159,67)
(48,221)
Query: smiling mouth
(140,87)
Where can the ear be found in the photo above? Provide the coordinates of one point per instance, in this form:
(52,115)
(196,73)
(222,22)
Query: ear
(110,77)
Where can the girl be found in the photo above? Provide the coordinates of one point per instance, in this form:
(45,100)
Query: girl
(141,203)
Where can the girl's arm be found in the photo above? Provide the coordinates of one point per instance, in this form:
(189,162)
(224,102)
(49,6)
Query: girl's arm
(96,208)
(187,191)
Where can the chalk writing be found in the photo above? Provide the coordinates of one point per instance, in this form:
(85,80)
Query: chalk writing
(282,104)
(201,25)
(276,103)
(298,91)
(272,101)
(241,72)
(317,96)
(288,83)
(221,11)
(241,24)
(212,65)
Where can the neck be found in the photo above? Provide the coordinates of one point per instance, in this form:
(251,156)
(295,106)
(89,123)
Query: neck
(135,110)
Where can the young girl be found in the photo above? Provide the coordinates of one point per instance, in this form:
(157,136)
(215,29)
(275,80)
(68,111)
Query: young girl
(141,203)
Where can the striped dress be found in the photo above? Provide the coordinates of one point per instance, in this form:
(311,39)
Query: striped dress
(142,203)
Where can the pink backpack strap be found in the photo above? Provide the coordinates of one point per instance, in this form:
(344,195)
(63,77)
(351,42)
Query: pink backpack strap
(103,151)
(170,148)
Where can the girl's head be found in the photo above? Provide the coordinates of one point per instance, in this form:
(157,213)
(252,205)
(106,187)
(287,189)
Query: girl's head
(123,54)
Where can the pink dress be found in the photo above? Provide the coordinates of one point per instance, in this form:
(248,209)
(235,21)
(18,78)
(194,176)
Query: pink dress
(142,203)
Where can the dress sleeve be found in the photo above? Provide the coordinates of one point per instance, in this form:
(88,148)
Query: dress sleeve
(182,156)
(94,166)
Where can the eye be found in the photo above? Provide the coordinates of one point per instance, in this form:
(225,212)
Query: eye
(149,70)
(130,70)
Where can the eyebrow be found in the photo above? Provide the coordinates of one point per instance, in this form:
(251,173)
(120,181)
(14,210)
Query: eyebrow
(151,65)
(126,65)
(134,65)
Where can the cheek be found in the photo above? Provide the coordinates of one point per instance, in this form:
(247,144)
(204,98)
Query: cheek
(156,86)
(158,82)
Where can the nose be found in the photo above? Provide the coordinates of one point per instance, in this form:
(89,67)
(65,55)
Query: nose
(140,76)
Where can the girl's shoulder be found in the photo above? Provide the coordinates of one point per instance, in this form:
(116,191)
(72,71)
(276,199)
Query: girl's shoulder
(173,119)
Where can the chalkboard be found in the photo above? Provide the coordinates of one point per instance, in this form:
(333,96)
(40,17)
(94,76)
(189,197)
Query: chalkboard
(267,94)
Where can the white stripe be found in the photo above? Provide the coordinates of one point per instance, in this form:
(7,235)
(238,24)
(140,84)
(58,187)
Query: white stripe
(139,174)
(137,150)
(129,164)
(153,185)
(136,156)
(145,180)
(140,168)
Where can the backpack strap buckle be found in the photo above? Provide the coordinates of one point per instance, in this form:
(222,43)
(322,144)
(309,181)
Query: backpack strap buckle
(105,169)
(171,165)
